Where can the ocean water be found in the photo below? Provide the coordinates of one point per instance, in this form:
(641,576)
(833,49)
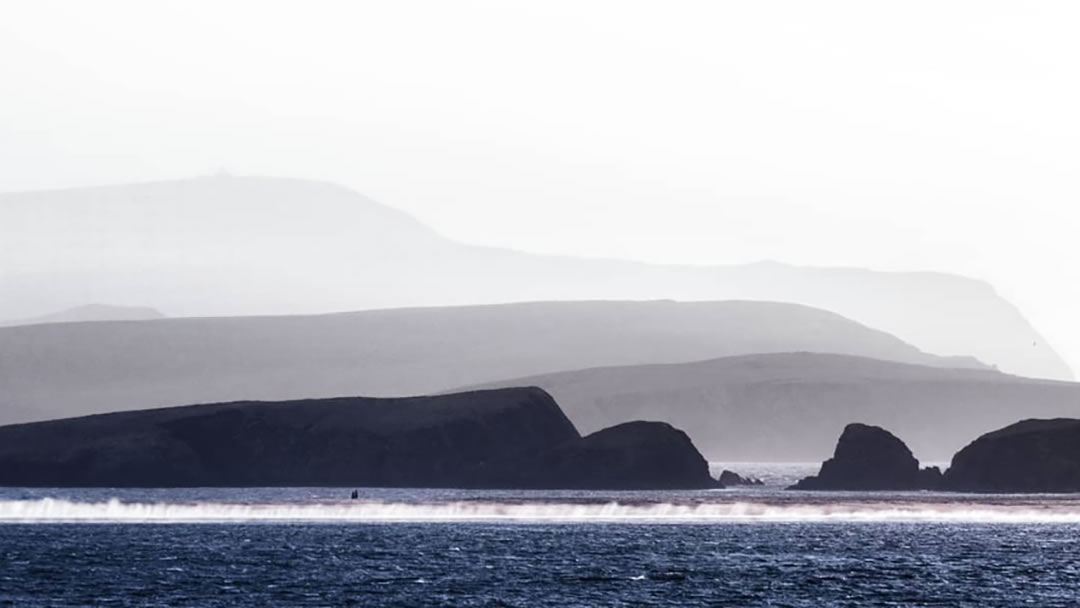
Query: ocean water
(736,547)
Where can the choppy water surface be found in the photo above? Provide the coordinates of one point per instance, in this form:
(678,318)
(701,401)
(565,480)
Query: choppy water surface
(747,547)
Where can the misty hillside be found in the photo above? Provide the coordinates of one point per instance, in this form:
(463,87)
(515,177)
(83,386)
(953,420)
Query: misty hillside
(793,406)
(55,370)
(247,246)
(91,312)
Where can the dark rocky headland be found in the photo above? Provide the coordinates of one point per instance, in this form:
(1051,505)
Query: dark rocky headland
(1029,456)
(504,438)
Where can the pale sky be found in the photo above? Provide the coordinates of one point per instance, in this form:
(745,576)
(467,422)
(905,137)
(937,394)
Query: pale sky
(905,136)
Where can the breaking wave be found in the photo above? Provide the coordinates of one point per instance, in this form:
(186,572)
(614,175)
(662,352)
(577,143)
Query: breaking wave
(116,511)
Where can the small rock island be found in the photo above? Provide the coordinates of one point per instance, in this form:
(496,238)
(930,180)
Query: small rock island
(731,478)
(871,458)
(512,438)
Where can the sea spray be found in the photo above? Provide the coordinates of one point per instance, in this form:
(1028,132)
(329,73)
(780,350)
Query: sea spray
(116,511)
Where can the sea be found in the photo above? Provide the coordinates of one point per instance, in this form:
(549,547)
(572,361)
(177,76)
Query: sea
(749,546)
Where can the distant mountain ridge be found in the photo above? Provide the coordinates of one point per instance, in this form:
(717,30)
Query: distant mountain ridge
(256,246)
(59,370)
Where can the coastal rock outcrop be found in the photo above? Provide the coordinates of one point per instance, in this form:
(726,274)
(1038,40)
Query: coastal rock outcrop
(635,455)
(870,458)
(1036,455)
(731,478)
(455,440)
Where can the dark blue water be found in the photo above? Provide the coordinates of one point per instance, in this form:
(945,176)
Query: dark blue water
(504,564)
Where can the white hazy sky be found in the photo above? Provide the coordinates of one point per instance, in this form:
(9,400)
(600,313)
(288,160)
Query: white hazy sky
(910,136)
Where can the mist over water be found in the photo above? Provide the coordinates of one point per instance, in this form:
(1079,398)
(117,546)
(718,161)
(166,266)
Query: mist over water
(770,504)
(51,510)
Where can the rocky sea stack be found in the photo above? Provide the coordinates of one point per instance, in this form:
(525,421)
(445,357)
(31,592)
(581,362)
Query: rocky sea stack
(1029,456)
(870,458)
(505,438)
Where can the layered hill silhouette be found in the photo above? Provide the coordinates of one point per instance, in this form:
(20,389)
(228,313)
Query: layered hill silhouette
(245,246)
(791,406)
(67,369)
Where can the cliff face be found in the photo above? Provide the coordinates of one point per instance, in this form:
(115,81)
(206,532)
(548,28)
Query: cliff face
(870,458)
(445,441)
(1029,456)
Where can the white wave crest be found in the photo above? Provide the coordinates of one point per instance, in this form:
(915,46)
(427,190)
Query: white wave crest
(58,510)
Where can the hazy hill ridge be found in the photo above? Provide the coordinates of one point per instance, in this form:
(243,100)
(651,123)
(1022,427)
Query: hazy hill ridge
(57,370)
(244,246)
